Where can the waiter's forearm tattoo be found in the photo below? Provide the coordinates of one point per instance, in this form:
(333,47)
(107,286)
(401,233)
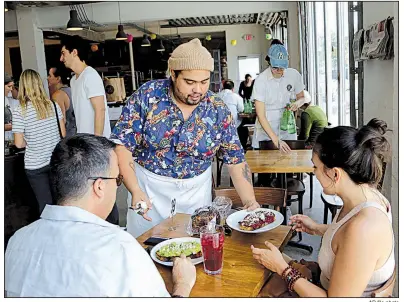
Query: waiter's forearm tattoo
(247,173)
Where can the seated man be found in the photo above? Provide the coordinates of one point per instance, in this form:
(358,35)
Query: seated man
(312,123)
(72,251)
(235,103)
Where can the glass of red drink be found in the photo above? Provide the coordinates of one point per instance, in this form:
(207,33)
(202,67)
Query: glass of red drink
(212,241)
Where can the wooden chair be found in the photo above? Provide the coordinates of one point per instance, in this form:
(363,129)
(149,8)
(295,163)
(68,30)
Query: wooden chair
(386,290)
(334,204)
(266,197)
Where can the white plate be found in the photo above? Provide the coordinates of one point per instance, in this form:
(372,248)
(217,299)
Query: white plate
(233,219)
(177,240)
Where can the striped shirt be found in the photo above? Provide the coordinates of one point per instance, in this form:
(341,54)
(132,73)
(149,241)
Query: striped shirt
(41,136)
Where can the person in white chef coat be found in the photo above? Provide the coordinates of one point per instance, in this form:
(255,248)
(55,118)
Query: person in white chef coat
(173,129)
(274,88)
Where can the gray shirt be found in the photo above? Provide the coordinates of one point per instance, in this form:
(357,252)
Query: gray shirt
(71,128)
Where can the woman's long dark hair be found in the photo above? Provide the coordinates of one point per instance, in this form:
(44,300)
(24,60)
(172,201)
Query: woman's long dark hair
(359,152)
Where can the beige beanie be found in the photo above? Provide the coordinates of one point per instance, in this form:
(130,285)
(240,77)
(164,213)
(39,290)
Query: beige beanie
(191,56)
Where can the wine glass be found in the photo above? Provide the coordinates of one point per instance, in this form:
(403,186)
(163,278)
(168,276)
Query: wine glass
(172,213)
(223,205)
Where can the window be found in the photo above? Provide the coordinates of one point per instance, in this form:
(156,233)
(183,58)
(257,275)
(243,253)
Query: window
(250,65)
(327,47)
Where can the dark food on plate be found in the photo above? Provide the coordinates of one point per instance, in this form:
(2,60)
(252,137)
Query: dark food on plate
(202,217)
(256,220)
(190,249)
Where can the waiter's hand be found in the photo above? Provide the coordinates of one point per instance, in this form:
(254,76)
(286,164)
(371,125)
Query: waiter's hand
(138,196)
(282,146)
(297,104)
(251,206)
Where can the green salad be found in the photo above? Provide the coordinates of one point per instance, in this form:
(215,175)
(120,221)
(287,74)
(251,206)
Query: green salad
(175,249)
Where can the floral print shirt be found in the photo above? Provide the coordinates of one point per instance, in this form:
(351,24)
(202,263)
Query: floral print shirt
(153,128)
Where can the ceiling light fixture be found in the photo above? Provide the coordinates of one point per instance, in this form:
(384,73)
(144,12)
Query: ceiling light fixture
(120,35)
(74,23)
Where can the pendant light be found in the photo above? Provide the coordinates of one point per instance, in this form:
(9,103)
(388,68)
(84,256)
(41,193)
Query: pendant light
(120,35)
(74,23)
(145,41)
(161,46)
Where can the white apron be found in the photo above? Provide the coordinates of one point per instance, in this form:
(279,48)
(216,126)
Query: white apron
(190,194)
(275,104)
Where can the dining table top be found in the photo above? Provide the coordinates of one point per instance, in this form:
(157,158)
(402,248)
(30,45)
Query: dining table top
(274,161)
(242,275)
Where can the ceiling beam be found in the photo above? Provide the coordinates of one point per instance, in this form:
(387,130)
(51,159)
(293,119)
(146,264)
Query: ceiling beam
(85,34)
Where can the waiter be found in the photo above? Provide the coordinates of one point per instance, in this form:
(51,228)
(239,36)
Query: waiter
(274,89)
(173,129)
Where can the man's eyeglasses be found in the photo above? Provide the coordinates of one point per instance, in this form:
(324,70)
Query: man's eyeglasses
(278,69)
(118,179)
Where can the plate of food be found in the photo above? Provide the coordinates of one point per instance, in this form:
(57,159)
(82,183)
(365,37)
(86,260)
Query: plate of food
(165,252)
(257,221)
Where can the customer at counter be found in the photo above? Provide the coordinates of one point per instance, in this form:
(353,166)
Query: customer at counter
(9,105)
(173,129)
(246,87)
(58,80)
(72,251)
(36,128)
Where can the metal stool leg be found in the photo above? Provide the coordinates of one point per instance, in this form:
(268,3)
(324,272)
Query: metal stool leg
(311,190)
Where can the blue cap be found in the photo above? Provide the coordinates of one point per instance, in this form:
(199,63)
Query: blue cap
(278,56)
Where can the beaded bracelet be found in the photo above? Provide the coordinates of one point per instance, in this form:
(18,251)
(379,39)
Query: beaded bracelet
(284,272)
(291,277)
(291,285)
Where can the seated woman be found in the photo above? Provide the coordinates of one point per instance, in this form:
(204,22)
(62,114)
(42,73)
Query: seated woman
(357,251)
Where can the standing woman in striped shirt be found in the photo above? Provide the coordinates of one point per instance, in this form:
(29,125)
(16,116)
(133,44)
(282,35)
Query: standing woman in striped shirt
(38,125)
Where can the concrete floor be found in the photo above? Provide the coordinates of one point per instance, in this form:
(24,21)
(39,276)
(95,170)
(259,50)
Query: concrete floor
(316,213)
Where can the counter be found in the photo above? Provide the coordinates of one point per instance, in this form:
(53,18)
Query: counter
(20,205)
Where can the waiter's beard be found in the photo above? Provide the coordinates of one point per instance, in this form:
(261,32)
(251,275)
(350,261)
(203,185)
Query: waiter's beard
(190,99)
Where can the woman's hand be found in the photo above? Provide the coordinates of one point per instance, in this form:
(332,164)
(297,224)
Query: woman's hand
(282,146)
(303,223)
(297,104)
(271,258)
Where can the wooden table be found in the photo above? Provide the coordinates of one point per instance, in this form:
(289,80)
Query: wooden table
(274,161)
(242,276)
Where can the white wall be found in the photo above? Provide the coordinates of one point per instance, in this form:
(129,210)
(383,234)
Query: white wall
(381,100)
(257,46)
(14,42)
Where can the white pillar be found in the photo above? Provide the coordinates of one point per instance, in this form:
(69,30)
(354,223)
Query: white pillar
(132,67)
(31,41)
